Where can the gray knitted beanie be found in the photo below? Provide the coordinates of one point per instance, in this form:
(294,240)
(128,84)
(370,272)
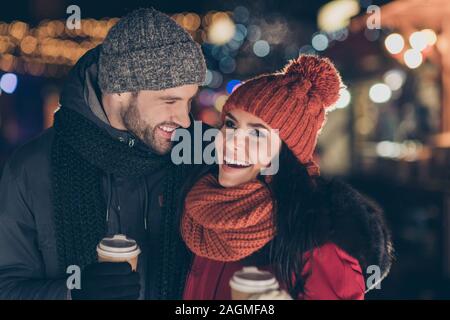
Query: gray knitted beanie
(147,50)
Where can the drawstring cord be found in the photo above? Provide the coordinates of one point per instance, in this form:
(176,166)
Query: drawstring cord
(109,180)
(109,200)
(146,195)
(109,196)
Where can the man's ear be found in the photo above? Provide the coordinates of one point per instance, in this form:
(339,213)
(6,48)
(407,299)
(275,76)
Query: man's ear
(117,97)
(112,100)
(112,105)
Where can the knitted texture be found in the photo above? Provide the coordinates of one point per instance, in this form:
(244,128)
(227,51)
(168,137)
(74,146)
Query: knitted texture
(82,154)
(147,50)
(227,224)
(294,101)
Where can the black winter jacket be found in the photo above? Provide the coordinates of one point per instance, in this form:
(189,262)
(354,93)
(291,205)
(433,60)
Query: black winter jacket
(28,256)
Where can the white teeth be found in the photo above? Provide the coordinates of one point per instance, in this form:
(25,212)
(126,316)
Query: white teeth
(167,129)
(239,163)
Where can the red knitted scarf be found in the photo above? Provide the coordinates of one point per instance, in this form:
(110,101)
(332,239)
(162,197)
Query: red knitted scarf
(227,224)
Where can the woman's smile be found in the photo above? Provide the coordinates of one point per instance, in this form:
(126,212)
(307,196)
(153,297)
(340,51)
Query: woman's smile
(230,165)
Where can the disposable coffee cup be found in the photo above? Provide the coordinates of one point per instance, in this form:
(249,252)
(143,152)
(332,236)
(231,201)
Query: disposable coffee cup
(118,248)
(250,281)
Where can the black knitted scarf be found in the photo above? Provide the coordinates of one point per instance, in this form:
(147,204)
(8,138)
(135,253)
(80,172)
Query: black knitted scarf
(81,154)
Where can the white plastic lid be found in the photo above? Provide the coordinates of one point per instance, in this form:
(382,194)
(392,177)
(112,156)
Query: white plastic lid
(118,246)
(253,280)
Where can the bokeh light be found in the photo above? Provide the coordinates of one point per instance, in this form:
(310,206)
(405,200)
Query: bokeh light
(8,82)
(394,79)
(253,33)
(241,14)
(208,77)
(221,30)
(380,93)
(418,40)
(191,21)
(232,85)
(216,80)
(388,149)
(344,99)
(336,14)
(431,36)
(338,35)
(28,44)
(18,29)
(241,32)
(394,43)
(307,49)
(413,58)
(206,97)
(261,48)
(220,101)
(227,64)
(320,42)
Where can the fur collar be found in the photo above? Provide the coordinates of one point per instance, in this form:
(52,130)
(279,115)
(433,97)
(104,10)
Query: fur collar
(357,225)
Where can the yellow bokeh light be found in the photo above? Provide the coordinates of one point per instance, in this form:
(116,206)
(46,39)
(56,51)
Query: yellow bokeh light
(336,14)
(7,62)
(191,21)
(4,44)
(18,29)
(28,44)
(220,102)
(221,30)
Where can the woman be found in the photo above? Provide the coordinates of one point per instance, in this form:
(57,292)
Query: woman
(317,237)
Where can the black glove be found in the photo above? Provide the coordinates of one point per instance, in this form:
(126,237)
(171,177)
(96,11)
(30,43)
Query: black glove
(108,280)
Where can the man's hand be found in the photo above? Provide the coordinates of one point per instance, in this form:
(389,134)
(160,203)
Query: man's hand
(108,280)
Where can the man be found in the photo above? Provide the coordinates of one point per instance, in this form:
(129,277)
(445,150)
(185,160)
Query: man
(104,168)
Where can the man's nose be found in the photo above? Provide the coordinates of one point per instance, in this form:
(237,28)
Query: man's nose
(181,116)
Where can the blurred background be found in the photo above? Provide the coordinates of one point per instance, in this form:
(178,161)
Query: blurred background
(389,134)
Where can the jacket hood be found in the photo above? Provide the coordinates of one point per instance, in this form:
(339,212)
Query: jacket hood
(82,94)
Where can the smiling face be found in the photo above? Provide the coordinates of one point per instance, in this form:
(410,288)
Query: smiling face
(245,146)
(150,115)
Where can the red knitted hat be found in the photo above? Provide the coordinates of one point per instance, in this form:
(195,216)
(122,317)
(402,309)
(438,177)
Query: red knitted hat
(294,101)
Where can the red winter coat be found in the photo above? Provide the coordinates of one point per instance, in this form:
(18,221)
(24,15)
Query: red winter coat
(331,274)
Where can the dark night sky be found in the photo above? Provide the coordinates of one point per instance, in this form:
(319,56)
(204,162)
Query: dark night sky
(33,11)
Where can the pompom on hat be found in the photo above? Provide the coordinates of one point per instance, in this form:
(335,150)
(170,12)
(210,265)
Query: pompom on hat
(294,101)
